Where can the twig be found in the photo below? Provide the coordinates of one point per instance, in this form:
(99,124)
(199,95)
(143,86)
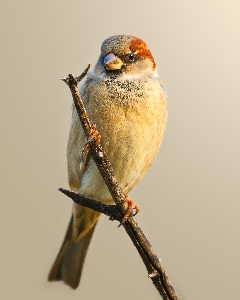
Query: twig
(155,270)
(107,209)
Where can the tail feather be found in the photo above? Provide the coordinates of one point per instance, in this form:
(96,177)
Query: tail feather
(68,264)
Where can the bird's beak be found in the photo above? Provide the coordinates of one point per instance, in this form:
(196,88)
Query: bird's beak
(112,62)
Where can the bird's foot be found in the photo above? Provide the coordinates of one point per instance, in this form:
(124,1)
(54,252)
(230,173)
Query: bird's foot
(131,206)
(93,136)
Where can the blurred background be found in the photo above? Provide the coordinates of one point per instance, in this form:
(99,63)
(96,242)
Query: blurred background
(189,199)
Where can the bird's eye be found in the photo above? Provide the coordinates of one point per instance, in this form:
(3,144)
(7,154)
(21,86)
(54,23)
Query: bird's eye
(131,56)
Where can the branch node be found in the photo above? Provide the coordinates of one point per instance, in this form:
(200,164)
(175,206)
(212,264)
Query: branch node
(100,153)
(154,274)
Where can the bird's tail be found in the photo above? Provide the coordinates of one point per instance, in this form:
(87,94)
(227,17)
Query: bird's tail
(68,264)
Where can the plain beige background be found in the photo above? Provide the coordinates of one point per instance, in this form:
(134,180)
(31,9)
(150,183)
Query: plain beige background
(189,199)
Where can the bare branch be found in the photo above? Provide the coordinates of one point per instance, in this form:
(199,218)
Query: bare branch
(155,270)
(106,209)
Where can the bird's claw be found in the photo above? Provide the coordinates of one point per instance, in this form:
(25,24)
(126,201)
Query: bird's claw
(131,206)
(94,135)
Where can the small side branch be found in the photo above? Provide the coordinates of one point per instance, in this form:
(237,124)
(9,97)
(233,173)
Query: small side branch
(155,270)
(106,209)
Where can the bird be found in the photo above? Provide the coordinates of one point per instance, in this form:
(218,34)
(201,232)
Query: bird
(124,97)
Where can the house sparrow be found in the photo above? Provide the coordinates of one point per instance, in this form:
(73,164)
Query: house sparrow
(123,96)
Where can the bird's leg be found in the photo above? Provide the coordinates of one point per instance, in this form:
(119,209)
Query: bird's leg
(94,135)
(131,206)
(85,160)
